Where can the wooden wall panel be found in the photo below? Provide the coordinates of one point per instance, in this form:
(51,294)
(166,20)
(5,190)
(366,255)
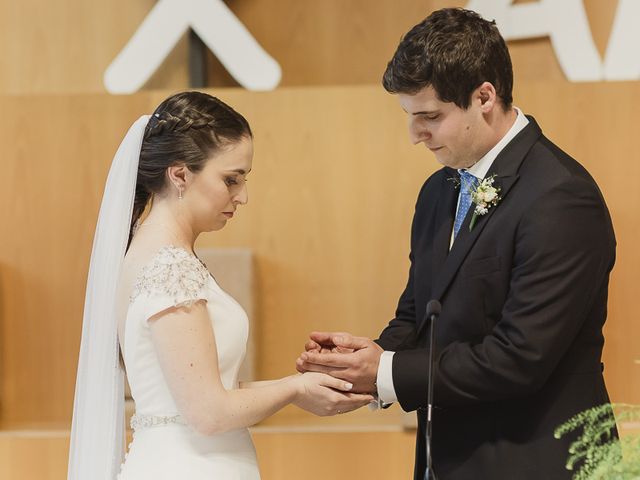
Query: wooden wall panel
(374,175)
(54,174)
(43,456)
(331,199)
(338,42)
(65,46)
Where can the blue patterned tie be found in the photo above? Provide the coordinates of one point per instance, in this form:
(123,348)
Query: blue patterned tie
(467,183)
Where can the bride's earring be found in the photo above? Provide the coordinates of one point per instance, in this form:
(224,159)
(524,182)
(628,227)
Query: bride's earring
(179,193)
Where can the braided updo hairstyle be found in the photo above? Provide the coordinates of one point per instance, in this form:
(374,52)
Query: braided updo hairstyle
(186,129)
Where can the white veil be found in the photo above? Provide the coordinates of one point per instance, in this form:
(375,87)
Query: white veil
(97,431)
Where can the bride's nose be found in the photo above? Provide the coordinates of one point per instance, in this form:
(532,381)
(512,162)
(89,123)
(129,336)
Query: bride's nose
(242,197)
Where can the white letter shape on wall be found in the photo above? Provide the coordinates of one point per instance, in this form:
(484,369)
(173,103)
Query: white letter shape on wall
(564,21)
(622,60)
(218,28)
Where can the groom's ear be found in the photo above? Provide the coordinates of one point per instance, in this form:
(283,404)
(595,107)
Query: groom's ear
(486,96)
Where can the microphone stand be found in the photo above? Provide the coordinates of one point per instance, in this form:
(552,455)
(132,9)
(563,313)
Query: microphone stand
(433,310)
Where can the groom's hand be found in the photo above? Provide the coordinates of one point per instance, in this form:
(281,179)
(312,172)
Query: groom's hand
(341,355)
(322,342)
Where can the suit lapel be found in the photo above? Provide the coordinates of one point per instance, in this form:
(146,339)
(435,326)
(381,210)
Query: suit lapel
(505,167)
(445,214)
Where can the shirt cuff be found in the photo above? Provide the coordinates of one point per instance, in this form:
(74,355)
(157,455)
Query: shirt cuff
(384,379)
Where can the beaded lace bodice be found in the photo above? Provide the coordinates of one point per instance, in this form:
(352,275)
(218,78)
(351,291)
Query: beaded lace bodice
(175,277)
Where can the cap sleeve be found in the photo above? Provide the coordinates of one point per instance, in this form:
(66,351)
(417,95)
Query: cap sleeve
(173,278)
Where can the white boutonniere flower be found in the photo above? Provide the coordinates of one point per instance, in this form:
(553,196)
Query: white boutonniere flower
(484,196)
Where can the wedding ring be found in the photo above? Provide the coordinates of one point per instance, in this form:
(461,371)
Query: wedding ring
(339,412)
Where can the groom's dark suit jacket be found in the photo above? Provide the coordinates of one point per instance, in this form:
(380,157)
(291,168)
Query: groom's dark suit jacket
(524,299)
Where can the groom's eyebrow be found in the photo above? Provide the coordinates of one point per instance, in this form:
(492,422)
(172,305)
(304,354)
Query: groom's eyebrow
(425,112)
(422,112)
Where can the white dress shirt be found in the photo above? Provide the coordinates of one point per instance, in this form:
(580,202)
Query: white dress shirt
(384,380)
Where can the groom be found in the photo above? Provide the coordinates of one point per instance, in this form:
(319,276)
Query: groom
(522,280)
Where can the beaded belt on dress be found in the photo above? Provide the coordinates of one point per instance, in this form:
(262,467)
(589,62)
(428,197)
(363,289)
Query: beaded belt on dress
(138,422)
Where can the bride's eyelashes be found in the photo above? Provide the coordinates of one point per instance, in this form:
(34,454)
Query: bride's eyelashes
(230,181)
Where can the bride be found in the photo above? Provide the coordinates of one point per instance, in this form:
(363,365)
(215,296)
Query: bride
(181,337)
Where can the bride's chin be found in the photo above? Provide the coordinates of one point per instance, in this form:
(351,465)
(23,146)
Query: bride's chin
(217,226)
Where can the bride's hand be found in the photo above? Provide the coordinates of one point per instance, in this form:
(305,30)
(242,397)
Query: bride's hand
(324,395)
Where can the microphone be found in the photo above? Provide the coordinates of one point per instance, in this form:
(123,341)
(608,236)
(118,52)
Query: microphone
(433,311)
(433,308)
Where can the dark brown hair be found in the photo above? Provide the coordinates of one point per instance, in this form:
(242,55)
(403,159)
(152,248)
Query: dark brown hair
(453,50)
(186,129)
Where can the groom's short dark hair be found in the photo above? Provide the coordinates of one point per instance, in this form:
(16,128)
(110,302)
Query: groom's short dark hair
(454,50)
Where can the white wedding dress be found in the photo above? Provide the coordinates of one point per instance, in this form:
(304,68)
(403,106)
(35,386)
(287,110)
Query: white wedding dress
(163,446)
